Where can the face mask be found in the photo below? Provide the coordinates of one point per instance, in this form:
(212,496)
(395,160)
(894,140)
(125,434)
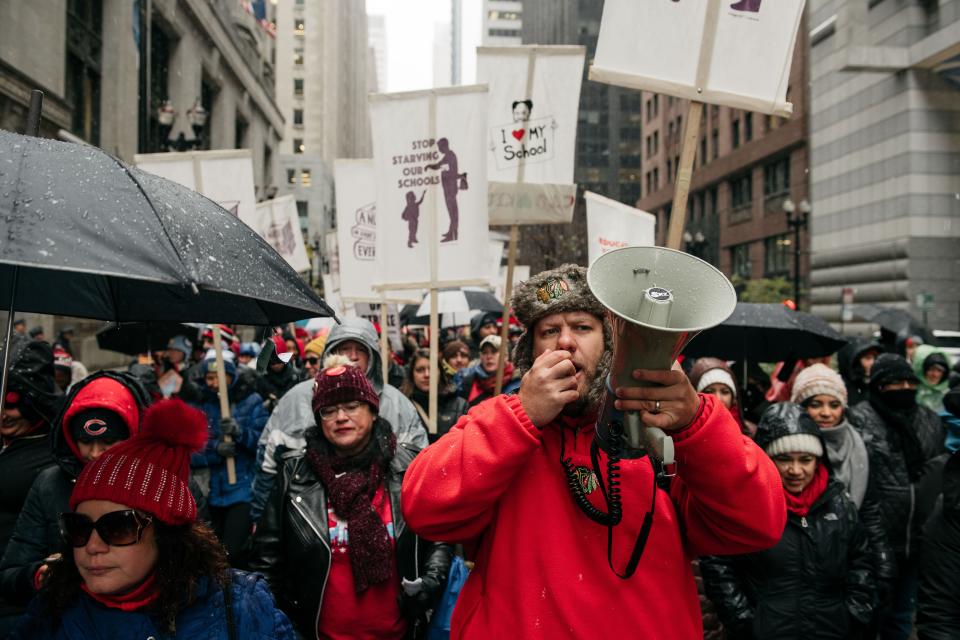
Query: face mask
(900,398)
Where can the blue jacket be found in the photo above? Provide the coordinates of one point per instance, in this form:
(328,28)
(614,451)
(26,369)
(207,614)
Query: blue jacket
(255,617)
(251,416)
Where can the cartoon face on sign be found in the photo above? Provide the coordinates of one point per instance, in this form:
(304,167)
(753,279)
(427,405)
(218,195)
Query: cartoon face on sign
(526,140)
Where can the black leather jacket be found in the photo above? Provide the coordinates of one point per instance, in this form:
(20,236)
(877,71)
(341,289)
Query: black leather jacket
(291,546)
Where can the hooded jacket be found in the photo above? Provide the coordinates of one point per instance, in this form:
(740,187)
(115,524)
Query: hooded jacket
(294,413)
(938,616)
(246,408)
(931,395)
(848,363)
(495,481)
(817,582)
(37,532)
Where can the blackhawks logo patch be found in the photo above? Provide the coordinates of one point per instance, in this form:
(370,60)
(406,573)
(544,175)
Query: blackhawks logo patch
(552,290)
(586,478)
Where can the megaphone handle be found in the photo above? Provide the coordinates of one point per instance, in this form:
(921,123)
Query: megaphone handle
(661,445)
(633,430)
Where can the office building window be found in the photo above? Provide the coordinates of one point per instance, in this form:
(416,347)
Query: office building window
(302,212)
(735,133)
(504,33)
(84,45)
(298,117)
(298,56)
(740,260)
(776,255)
(298,146)
(298,27)
(776,177)
(291,176)
(741,191)
(306,179)
(298,87)
(747,127)
(715,144)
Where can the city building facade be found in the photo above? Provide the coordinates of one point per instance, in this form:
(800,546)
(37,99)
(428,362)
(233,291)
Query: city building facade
(885,154)
(323,71)
(502,23)
(748,168)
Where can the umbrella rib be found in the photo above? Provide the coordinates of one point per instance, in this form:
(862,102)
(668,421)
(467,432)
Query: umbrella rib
(156,213)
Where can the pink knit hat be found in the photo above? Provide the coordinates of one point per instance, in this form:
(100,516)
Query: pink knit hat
(818,379)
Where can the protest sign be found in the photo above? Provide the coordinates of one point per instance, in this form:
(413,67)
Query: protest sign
(612,225)
(277,222)
(734,53)
(430,167)
(371,311)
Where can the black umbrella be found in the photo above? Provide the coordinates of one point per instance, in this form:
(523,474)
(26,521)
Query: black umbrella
(89,236)
(133,338)
(766,333)
(890,318)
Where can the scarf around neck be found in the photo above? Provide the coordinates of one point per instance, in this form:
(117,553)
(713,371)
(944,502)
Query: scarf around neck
(848,459)
(799,503)
(134,600)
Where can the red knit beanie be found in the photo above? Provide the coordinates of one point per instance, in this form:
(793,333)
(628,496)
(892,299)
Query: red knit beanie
(343,383)
(150,471)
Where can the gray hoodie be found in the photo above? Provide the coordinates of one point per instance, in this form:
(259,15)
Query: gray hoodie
(294,414)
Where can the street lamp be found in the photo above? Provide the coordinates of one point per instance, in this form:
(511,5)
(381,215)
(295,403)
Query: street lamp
(695,243)
(796,223)
(197,116)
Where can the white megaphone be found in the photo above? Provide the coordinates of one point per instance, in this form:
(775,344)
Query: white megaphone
(657,300)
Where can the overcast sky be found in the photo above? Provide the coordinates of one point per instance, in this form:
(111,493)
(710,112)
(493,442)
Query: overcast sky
(410,39)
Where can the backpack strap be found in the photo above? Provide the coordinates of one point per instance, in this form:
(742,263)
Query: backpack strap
(228,605)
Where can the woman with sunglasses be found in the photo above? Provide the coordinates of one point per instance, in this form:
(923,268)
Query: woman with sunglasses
(332,540)
(135,561)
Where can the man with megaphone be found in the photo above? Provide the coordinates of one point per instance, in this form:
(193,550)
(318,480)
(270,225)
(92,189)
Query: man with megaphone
(575,531)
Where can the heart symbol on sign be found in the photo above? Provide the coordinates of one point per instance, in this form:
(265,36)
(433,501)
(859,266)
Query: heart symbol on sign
(518,133)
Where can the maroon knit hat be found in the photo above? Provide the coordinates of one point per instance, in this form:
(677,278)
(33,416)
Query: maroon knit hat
(150,471)
(343,383)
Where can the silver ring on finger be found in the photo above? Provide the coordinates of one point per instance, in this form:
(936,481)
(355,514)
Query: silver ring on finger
(656,407)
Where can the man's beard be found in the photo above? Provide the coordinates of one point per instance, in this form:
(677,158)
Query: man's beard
(589,400)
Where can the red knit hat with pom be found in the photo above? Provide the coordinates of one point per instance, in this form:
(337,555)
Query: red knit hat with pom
(342,383)
(150,471)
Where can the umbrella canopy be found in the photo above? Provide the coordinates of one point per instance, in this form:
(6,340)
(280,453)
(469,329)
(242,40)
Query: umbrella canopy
(461,300)
(92,237)
(766,333)
(889,318)
(133,338)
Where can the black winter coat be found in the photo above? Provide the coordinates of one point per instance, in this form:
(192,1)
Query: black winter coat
(291,546)
(903,505)
(938,610)
(450,407)
(816,583)
(848,362)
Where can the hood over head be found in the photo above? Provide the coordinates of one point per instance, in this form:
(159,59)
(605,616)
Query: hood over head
(362,331)
(848,358)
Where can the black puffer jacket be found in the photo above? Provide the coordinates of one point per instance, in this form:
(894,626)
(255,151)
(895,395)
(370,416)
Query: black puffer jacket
(848,363)
(938,613)
(816,583)
(291,546)
(899,489)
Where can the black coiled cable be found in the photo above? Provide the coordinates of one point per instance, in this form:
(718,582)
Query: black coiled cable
(612,494)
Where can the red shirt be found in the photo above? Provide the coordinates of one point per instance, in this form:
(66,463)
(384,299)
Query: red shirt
(346,614)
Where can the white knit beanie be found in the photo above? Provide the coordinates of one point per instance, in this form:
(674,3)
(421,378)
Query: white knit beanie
(796,443)
(714,376)
(818,379)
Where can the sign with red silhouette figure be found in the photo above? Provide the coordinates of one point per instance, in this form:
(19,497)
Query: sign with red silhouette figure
(429,165)
(731,52)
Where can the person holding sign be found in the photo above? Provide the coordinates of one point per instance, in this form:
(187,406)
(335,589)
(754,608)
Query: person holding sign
(513,480)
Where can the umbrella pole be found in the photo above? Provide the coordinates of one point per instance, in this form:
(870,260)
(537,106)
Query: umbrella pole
(8,337)
(222,393)
(507,293)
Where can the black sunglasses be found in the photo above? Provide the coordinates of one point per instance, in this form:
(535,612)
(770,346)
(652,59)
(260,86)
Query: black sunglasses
(117,528)
(312,360)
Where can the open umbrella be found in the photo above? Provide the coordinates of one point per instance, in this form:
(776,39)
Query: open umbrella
(766,333)
(140,337)
(890,318)
(460,304)
(85,235)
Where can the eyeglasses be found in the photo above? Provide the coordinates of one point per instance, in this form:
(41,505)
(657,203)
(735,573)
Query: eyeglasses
(349,408)
(312,361)
(117,528)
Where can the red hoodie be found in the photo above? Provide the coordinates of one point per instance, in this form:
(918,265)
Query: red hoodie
(541,564)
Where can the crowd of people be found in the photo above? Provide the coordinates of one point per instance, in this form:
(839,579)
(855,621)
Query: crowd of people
(821,500)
